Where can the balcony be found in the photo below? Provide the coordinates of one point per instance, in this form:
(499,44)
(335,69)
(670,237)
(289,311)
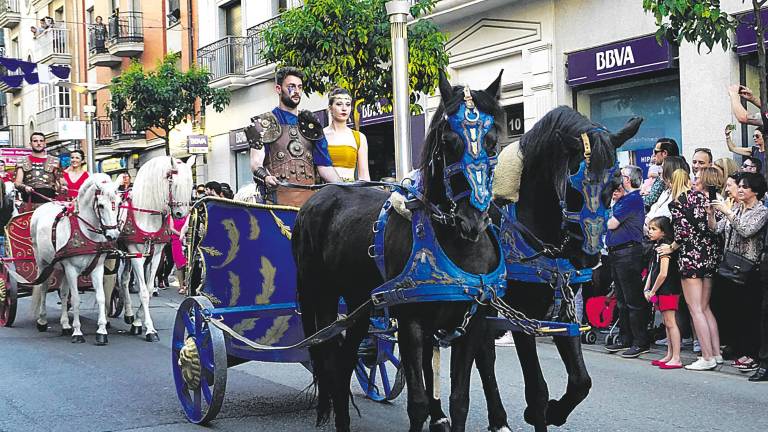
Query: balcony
(10,14)
(98,54)
(12,136)
(126,35)
(52,46)
(256,44)
(48,120)
(225,61)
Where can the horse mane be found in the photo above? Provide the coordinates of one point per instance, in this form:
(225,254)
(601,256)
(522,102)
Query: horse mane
(150,189)
(540,155)
(484,102)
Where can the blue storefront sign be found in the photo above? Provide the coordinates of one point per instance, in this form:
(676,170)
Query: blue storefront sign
(619,59)
(746,37)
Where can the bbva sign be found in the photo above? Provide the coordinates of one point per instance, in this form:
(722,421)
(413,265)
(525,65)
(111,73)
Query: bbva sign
(615,57)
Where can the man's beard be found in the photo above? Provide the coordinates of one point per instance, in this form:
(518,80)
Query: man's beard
(287,101)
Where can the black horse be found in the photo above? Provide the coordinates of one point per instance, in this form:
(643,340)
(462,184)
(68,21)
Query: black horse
(331,240)
(553,150)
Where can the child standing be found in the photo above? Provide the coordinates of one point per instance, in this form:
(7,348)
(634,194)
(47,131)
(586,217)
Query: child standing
(663,287)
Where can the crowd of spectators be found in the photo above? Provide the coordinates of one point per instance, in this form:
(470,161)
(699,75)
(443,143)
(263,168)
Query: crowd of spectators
(691,240)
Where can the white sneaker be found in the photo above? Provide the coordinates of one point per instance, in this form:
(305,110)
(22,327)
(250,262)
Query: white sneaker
(719,359)
(663,342)
(702,365)
(696,346)
(686,342)
(506,340)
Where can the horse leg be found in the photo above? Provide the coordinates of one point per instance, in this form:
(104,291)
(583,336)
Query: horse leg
(71,273)
(348,361)
(579,382)
(137,265)
(66,328)
(438,421)
(151,335)
(39,293)
(485,361)
(412,352)
(97,278)
(124,285)
(461,372)
(536,392)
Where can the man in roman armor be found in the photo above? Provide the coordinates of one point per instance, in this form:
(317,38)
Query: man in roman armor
(38,176)
(288,145)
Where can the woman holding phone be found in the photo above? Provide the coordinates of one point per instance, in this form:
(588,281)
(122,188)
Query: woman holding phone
(736,93)
(743,226)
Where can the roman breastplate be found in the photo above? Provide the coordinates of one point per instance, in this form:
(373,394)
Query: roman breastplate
(290,160)
(39,175)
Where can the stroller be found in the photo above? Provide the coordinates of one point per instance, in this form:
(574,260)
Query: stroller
(600,312)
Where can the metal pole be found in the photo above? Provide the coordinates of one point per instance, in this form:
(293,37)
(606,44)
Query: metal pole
(398,11)
(89,141)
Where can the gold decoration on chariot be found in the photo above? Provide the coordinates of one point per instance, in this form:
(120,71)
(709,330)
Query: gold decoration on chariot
(234,242)
(276,332)
(245,325)
(255,229)
(3,291)
(210,250)
(268,272)
(212,298)
(285,230)
(234,280)
(189,362)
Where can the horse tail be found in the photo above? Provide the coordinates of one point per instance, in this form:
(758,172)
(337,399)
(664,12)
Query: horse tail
(312,300)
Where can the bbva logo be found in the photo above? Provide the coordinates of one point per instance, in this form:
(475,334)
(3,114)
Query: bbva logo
(614,57)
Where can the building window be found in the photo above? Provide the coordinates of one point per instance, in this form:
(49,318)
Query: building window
(174,12)
(233,19)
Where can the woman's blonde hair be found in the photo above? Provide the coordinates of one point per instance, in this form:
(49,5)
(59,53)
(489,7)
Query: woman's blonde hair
(727,166)
(680,183)
(711,176)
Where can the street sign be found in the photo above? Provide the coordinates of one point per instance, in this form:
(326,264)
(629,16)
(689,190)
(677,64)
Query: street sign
(197,144)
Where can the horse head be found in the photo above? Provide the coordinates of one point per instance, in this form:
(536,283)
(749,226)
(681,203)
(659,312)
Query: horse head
(103,198)
(574,161)
(460,155)
(180,187)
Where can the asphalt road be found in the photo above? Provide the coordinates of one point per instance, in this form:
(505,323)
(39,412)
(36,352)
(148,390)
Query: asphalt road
(49,384)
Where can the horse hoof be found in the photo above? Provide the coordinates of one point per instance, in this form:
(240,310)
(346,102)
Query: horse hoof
(135,330)
(78,339)
(42,328)
(441,425)
(66,331)
(128,319)
(152,337)
(155,293)
(101,339)
(556,415)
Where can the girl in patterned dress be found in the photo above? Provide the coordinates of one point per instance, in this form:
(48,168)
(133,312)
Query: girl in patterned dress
(698,258)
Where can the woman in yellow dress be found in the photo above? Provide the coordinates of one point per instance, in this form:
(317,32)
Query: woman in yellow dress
(348,148)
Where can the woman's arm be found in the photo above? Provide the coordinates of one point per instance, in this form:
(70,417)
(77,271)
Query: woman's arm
(663,271)
(362,159)
(748,224)
(743,151)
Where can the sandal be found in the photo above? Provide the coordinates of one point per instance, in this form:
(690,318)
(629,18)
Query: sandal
(744,363)
(182,291)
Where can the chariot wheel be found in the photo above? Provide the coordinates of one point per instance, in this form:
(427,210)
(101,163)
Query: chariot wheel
(199,361)
(8,300)
(382,380)
(115,305)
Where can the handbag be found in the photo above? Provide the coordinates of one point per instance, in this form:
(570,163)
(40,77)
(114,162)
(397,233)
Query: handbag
(735,267)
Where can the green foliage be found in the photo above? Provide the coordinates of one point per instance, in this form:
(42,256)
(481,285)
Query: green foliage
(696,21)
(164,97)
(343,43)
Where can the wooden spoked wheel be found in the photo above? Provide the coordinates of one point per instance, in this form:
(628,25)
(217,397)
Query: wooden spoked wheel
(382,379)
(8,300)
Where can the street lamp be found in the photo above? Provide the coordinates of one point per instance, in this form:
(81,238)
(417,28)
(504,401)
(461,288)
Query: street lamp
(398,11)
(89,109)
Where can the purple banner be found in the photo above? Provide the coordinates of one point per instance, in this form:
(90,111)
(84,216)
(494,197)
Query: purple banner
(619,59)
(746,37)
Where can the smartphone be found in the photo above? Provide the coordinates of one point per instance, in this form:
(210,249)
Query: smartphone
(730,127)
(712,190)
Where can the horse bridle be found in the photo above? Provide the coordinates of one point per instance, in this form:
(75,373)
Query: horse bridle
(475,165)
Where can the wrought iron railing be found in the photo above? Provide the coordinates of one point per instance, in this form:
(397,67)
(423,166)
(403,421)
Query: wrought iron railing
(122,129)
(125,27)
(97,39)
(223,58)
(256,45)
(15,135)
(52,41)
(3,112)
(103,132)
(11,6)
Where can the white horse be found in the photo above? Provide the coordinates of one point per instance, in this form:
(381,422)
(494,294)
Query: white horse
(163,186)
(96,209)
(249,193)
